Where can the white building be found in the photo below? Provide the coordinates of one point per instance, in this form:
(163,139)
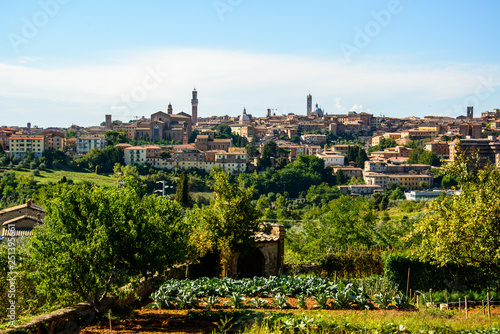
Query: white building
(134,154)
(426,195)
(84,144)
(332,158)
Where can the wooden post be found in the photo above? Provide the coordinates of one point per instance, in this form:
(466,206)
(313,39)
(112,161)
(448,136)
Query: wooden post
(489,310)
(109,316)
(408,282)
(447,297)
(418,305)
(425,301)
(430,296)
(459,305)
(484,311)
(466,309)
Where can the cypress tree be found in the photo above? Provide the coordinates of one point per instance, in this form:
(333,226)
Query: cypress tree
(182,194)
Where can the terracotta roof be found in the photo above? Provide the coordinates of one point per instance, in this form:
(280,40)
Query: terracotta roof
(14,220)
(185,147)
(264,237)
(124,145)
(26,137)
(22,206)
(135,148)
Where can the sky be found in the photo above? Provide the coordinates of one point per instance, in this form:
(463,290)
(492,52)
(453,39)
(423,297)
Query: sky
(65,62)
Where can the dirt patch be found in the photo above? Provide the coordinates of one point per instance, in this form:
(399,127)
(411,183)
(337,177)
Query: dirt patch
(146,320)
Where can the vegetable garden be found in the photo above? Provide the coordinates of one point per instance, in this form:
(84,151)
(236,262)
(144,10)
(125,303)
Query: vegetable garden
(275,292)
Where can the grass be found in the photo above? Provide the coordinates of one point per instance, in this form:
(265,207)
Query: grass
(6,325)
(454,296)
(54,176)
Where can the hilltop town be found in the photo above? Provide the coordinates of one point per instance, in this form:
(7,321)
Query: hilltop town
(404,151)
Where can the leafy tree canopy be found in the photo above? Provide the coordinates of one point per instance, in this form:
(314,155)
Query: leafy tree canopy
(228,224)
(94,240)
(465,228)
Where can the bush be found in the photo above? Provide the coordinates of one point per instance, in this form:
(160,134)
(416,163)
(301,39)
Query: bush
(35,172)
(353,263)
(425,276)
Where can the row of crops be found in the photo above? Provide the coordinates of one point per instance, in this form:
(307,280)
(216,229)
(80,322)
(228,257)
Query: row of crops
(250,292)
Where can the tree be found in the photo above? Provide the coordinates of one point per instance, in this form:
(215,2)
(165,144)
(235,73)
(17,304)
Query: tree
(182,194)
(448,181)
(423,185)
(346,222)
(384,143)
(465,228)
(420,156)
(222,131)
(340,177)
(95,240)
(115,137)
(193,136)
(228,224)
(269,150)
(252,150)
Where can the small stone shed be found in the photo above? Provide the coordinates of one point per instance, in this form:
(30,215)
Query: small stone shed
(265,260)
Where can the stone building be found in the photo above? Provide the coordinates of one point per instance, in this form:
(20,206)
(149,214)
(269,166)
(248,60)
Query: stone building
(264,261)
(164,126)
(22,217)
(267,259)
(53,140)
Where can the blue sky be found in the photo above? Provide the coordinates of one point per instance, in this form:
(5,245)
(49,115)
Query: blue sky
(66,62)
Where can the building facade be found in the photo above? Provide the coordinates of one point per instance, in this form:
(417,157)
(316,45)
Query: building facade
(21,145)
(85,144)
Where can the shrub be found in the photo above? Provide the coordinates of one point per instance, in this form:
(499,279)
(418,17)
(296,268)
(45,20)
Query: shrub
(425,276)
(353,263)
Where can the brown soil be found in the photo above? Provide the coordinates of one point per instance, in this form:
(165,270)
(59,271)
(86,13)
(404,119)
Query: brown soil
(153,321)
(146,320)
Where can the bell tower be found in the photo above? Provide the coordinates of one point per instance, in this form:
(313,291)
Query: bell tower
(194,105)
(309,104)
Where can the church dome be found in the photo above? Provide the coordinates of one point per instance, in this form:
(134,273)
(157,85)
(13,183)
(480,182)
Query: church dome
(244,117)
(318,111)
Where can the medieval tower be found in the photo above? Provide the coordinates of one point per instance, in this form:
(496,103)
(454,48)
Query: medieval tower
(194,104)
(309,104)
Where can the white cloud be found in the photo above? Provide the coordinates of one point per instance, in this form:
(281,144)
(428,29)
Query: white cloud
(25,60)
(226,82)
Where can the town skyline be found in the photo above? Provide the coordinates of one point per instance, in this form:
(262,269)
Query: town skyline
(71,62)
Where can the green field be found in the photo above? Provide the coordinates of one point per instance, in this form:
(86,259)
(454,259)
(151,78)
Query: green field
(54,176)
